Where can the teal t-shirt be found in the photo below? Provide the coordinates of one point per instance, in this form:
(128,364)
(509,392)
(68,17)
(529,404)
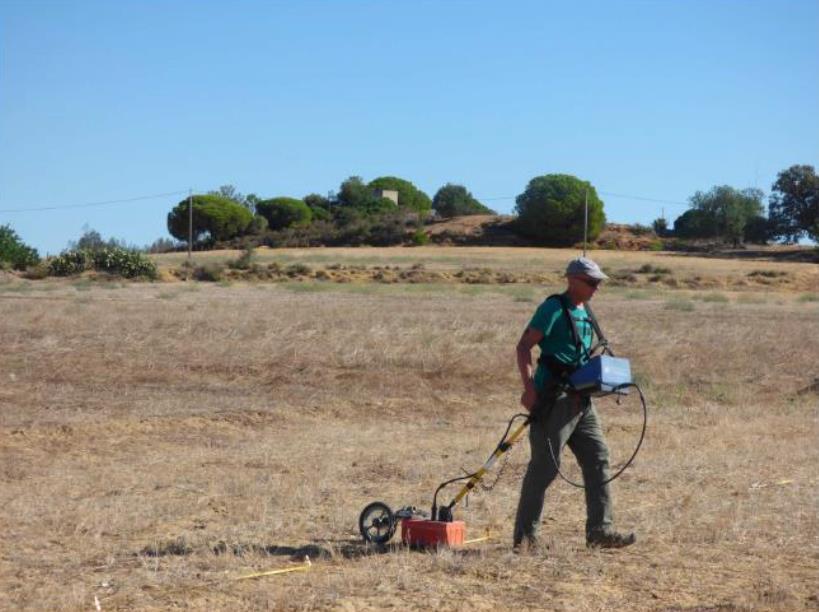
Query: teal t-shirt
(557,336)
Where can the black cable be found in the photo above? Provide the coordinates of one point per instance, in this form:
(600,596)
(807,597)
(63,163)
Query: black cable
(633,455)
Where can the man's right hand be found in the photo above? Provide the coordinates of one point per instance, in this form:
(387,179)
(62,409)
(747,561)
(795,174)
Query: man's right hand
(529,397)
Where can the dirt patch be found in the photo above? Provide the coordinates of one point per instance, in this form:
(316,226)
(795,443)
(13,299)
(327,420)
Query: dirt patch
(476,230)
(623,238)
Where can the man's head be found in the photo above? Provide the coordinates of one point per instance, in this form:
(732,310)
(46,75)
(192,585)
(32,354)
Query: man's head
(583,276)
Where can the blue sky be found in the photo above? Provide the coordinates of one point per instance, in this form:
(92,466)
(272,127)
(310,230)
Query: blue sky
(112,100)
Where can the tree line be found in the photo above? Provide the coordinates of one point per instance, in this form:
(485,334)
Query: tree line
(549,212)
(734,216)
(226,214)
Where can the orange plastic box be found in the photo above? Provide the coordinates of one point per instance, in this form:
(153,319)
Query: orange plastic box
(422,533)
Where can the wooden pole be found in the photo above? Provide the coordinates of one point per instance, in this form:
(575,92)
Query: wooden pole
(190,233)
(586,223)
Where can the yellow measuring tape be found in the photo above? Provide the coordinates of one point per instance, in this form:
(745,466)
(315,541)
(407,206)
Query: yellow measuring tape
(298,568)
(307,564)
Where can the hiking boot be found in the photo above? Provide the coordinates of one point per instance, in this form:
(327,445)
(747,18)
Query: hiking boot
(529,544)
(610,539)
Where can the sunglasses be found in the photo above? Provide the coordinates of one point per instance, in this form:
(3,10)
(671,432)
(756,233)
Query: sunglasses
(591,282)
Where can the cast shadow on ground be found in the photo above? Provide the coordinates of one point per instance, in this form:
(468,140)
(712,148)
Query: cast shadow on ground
(326,549)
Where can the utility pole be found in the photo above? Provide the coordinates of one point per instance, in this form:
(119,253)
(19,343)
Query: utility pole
(190,233)
(586,223)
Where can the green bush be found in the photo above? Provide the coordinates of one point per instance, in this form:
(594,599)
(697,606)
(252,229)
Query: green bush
(298,269)
(638,229)
(209,272)
(419,238)
(244,261)
(284,212)
(384,230)
(14,252)
(649,269)
(70,263)
(118,261)
(125,263)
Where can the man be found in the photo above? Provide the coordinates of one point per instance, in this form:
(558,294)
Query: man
(562,416)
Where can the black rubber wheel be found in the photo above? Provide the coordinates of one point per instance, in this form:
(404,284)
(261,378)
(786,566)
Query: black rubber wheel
(377,523)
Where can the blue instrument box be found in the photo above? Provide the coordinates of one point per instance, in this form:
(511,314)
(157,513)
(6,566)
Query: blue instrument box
(602,375)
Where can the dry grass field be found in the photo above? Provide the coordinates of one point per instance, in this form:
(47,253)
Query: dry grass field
(159,440)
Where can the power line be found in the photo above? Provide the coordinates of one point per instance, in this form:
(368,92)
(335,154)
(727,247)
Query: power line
(643,199)
(90,204)
(185,191)
(605,193)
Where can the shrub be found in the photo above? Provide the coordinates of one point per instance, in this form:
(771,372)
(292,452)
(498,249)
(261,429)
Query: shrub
(209,272)
(385,230)
(163,245)
(118,261)
(638,229)
(38,272)
(419,238)
(70,263)
(649,269)
(298,269)
(244,261)
(125,263)
(14,252)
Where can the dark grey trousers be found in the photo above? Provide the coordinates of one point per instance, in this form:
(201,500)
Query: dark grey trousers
(565,420)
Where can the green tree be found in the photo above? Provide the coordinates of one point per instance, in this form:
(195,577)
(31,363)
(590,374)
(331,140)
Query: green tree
(409,196)
(793,207)
(551,210)
(320,207)
(285,212)
(660,226)
(14,252)
(92,240)
(455,201)
(694,223)
(258,225)
(354,193)
(215,216)
(757,230)
(231,193)
(723,212)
